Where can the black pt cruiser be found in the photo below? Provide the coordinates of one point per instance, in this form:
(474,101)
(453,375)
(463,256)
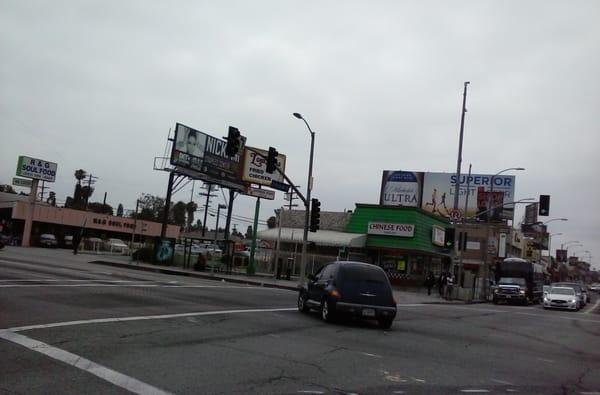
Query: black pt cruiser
(353,289)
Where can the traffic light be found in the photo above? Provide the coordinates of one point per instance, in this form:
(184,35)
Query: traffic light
(272,160)
(449,236)
(234,142)
(544,209)
(315,215)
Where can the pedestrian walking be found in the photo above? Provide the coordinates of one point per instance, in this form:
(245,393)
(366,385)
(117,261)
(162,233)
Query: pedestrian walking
(429,282)
(449,286)
(441,283)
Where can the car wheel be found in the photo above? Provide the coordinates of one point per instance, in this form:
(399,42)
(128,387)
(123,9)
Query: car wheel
(326,312)
(302,307)
(385,323)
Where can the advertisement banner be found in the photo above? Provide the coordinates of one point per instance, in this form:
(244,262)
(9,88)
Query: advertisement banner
(255,167)
(438,235)
(401,188)
(36,168)
(202,156)
(188,147)
(438,192)
(217,164)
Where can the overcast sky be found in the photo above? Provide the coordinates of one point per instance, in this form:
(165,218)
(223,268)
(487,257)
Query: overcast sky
(98,85)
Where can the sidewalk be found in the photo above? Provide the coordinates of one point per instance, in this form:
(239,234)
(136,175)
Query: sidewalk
(258,280)
(402,296)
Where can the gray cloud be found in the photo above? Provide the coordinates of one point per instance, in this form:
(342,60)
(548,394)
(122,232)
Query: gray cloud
(97,85)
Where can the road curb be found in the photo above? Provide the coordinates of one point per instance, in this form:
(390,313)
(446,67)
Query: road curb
(164,270)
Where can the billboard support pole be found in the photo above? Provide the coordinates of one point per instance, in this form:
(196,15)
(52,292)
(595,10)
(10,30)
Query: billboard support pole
(163,230)
(29,215)
(227,236)
(251,269)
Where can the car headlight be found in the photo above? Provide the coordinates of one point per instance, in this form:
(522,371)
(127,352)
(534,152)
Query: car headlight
(573,300)
(546,299)
(496,290)
(522,292)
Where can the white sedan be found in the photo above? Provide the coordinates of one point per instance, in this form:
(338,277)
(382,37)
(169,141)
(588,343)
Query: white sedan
(561,298)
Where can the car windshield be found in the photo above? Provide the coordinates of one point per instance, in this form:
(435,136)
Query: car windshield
(562,291)
(512,281)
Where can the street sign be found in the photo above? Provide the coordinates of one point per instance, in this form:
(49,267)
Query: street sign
(21,182)
(456,214)
(280,186)
(36,168)
(260,193)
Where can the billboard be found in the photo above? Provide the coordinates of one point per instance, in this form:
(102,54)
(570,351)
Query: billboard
(205,156)
(255,167)
(188,147)
(36,168)
(438,192)
(401,188)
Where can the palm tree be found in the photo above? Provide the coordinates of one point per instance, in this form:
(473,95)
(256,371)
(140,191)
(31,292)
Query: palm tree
(80,175)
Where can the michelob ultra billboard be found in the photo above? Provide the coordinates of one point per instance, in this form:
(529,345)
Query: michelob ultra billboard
(434,192)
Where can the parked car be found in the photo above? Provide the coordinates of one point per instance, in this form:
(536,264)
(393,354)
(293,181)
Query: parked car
(581,294)
(586,292)
(48,240)
(594,287)
(116,245)
(354,289)
(68,241)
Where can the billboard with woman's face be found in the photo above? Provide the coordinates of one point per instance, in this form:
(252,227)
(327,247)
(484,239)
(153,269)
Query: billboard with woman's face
(188,148)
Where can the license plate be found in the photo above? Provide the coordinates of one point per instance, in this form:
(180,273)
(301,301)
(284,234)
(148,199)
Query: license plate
(368,312)
(508,296)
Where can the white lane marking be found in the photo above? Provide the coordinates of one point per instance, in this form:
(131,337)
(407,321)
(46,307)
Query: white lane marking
(545,360)
(419,380)
(154,285)
(398,392)
(55,280)
(310,392)
(147,317)
(120,380)
(502,382)
(550,316)
(475,391)
(370,355)
(511,390)
(594,307)
(590,393)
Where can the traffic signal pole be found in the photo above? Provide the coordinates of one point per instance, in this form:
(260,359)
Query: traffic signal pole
(307,203)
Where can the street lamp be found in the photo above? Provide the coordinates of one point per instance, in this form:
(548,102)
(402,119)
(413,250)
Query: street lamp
(308,191)
(550,242)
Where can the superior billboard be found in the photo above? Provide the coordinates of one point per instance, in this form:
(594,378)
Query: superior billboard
(438,192)
(401,188)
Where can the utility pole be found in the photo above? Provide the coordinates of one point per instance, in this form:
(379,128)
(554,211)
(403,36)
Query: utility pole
(460,144)
(206,205)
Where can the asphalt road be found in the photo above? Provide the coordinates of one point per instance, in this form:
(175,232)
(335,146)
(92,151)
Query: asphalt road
(67,326)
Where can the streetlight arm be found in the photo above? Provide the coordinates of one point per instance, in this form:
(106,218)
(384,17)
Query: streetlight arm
(527,200)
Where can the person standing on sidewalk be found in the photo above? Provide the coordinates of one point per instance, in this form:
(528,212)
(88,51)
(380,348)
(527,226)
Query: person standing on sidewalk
(449,286)
(429,281)
(440,283)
